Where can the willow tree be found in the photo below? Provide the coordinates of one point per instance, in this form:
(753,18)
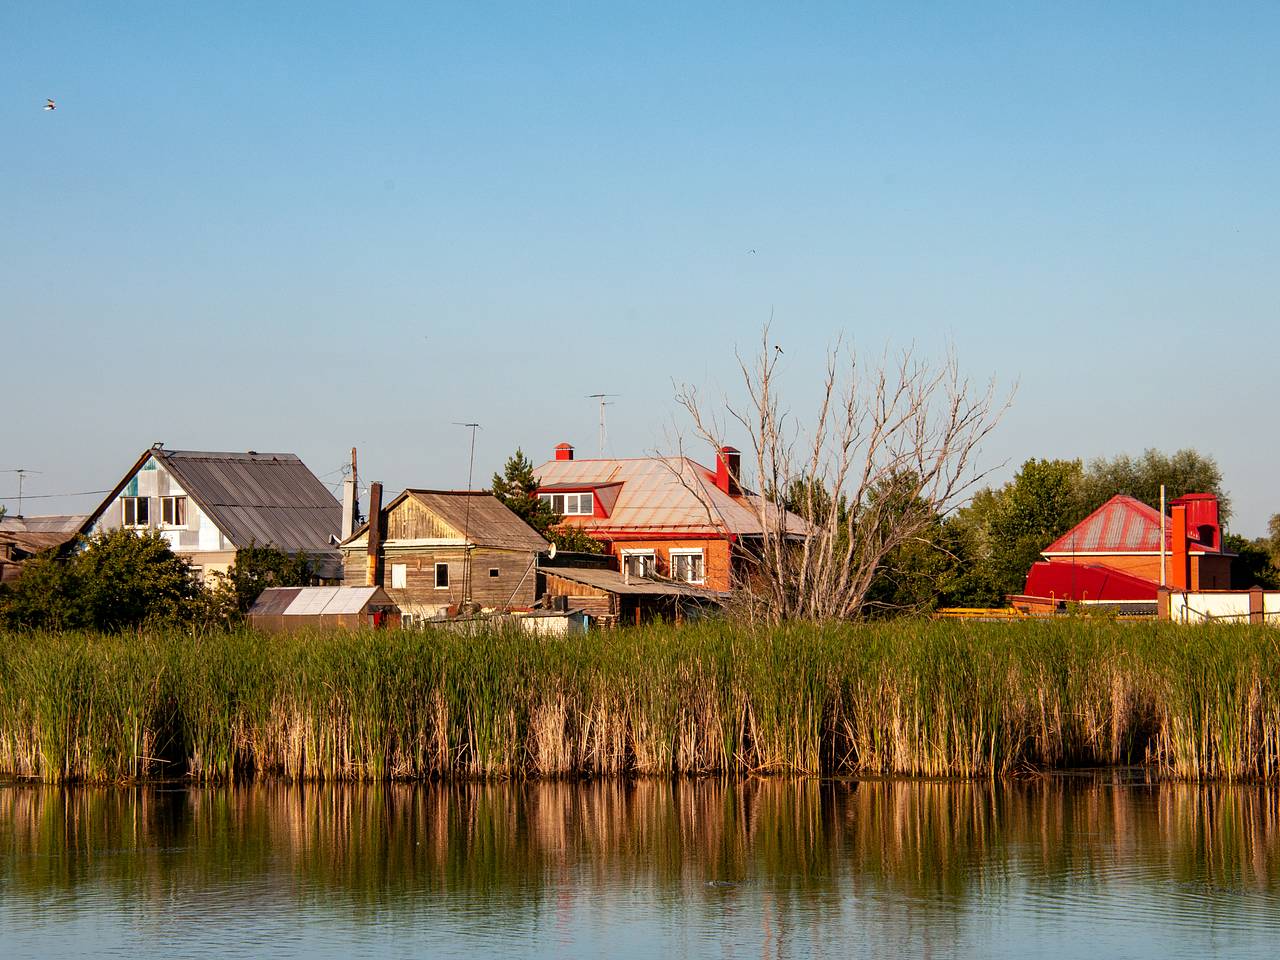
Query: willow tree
(895,441)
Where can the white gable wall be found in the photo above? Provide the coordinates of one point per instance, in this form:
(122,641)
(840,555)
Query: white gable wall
(198,539)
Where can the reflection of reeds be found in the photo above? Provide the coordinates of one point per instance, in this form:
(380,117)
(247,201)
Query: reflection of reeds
(511,842)
(882,699)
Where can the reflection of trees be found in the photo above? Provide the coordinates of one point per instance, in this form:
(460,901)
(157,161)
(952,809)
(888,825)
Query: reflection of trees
(515,844)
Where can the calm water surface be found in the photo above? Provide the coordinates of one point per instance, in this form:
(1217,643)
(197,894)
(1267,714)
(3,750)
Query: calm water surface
(1067,867)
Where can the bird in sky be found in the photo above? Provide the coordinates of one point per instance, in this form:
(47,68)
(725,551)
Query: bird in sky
(778,348)
(751,251)
(50,105)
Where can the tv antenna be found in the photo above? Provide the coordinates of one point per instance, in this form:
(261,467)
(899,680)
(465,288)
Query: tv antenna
(22,473)
(466,515)
(604,402)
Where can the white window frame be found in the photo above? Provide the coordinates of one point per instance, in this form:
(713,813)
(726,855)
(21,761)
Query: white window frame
(583,503)
(688,552)
(172,503)
(494,573)
(651,566)
(439,564)
(124,512)
(399,576)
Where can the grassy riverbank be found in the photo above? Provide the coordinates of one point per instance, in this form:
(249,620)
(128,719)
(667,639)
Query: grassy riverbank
(901,698)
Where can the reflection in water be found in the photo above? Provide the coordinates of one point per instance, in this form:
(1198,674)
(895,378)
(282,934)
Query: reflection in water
(771,868)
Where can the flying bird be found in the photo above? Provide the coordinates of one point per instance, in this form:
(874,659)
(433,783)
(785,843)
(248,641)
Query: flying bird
(50,105)
(750,251)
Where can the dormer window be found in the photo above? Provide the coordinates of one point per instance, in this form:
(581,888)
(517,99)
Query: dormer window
(570,504)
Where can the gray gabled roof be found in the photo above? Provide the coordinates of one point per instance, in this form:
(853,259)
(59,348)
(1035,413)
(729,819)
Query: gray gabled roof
(253,498)
(259,498)
(486,520)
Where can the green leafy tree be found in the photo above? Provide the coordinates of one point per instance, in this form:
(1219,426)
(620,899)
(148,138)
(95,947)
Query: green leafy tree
(1254,565)
(1184,471)
(117,581)
(44,597)
(257,568)
(1043,501)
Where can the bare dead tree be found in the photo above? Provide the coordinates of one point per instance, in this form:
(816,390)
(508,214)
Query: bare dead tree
(892,446)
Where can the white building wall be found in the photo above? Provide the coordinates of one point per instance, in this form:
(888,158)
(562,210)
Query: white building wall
(153,481)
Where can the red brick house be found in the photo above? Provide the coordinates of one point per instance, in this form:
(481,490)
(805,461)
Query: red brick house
(1115,555)
(669,517)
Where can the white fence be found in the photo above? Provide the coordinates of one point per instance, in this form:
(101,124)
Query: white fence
(1223,606)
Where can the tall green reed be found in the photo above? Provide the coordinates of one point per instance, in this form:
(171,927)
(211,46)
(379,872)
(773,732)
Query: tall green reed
(902,698)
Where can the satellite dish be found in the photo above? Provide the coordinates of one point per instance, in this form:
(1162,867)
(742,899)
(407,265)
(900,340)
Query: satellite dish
(551,554)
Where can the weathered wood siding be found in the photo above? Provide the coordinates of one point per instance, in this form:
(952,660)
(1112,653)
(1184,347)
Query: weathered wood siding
(514,587)
(596,603)
(409,520)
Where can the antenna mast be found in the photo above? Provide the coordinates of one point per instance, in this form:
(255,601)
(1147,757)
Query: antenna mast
(21,472)
(466,518)
(604,402)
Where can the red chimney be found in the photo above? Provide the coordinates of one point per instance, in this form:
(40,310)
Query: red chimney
(1180,563)
(729,471)
(1202,519)
(564,451)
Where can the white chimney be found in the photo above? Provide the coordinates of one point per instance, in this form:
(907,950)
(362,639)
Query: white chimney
(350,500)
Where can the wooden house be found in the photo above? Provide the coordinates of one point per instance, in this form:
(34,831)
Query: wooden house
(22,538)
(209,505)
(442,551)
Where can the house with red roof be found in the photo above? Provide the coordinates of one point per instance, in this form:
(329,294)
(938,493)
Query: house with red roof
(666,518)
(1123,553)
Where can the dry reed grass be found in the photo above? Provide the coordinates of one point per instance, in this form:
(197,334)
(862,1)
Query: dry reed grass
(905,698)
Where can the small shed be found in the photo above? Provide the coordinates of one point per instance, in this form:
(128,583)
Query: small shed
(611,598)
(282,609)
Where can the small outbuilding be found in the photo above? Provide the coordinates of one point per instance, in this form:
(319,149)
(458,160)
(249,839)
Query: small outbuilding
(284,609)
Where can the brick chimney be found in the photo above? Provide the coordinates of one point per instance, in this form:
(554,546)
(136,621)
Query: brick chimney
(564,451)
(729,471)
(1202,519)
(374,576)
(1179,561)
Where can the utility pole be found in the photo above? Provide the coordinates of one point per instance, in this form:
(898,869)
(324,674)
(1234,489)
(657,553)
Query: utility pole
(466,518)
(1163,581)
(604,402)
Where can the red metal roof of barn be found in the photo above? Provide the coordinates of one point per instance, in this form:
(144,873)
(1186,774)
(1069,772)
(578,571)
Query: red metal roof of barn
(1121,525)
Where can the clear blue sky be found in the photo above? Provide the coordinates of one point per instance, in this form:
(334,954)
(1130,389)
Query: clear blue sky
(302,226)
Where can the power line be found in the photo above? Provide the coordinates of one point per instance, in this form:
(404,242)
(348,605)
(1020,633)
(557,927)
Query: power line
(54,496)
(22,474)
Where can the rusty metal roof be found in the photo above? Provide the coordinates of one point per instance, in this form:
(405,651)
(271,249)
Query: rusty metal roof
(660,494)
(1121,525)
(614,582)
(35,534)
(486,519)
